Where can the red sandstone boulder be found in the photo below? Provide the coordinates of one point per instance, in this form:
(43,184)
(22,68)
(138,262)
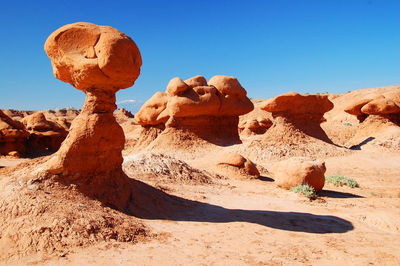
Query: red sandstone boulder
(89,56)
(45,135)
(300,171)
(239,164)
(254,126)
(13,135)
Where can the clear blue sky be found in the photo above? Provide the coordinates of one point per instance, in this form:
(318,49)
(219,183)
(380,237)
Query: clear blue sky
(271,46)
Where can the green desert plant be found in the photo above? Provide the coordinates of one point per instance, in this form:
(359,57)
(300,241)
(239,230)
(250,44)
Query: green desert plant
(341,180)
(306,190)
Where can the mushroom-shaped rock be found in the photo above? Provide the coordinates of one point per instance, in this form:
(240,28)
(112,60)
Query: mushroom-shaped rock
(92,56)
(300,171)
(379,115)
(13,135)
(98,60)
(383,105)
(380,106)
(239,164)
(295,103)
(208,110)
(295,112)
(45,135)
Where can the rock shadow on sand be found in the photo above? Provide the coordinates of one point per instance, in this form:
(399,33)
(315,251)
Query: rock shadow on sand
(338,195)
(148,202)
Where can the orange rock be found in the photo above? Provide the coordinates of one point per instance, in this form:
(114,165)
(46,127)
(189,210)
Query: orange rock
(13,135)
(387,105)
(45,135)
(208,110)
(295,103)
(149,113)
(380,106)
(234,101)
(91,56)
(241,164)
(298,113)
(176,86)
(300,171)
(99,60)
(196,81)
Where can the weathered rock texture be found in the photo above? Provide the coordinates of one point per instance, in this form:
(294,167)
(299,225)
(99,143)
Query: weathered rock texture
(13,135)
(379,116)
(209,111)
(300,171)
(236,164)
(295,113)
(99,60)
(385,105)
(45,135)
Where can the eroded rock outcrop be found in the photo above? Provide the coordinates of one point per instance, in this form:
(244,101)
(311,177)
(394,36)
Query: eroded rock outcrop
(207,110)
(379,116)
(45,135)
(13,135)
(296,115)
(300,171)
(99,60)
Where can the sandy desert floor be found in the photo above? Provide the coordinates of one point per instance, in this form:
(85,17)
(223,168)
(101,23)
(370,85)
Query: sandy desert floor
(251,222)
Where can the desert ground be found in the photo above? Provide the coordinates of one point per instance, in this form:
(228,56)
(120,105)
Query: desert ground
(200,175)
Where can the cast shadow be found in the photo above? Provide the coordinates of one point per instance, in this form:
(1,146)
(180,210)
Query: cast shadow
(358,146)
(266,178)
(148,202)
(338,195)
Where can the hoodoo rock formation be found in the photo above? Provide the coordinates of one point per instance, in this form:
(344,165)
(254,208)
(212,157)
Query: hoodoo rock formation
(45,135)
(379,116)
(297,115)
(99,60)
(206,110)
(13,135)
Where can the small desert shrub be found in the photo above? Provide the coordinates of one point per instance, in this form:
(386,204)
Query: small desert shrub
(306,190)
(341,180)
(348,124)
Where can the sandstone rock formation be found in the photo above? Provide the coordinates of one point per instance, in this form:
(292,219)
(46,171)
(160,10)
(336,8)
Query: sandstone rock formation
(209,111)
(13,135)
(45,135)
(293,112)
(233,163)
(299,171)
(385,105)
(254,126)
(99,60)
(379,116)
(122,115)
